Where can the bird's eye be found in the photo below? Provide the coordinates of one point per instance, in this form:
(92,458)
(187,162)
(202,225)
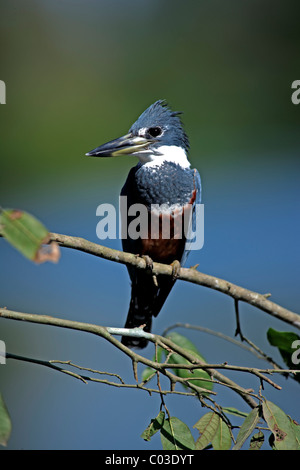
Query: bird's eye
(154,131)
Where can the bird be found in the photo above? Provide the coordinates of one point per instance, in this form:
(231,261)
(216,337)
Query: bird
(165,184)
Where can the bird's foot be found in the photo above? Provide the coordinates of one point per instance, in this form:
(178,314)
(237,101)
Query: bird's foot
(148,261)
(149,268)
(176,266)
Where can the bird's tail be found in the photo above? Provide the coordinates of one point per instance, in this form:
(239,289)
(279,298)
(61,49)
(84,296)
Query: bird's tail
(146,302)
(137,317)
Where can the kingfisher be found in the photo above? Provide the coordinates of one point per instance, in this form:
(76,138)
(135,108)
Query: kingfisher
(164,183)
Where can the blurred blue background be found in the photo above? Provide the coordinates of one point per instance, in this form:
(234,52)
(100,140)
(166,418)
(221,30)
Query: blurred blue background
(78,73)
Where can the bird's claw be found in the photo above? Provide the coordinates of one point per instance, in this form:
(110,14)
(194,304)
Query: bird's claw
(148,261)
(149,268)
(176,266)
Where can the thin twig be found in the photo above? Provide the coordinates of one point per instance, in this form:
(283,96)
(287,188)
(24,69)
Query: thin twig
(213,333)
(252,348)
(88,369)
(46,364)
(87,379)
(102,332)
(161,341)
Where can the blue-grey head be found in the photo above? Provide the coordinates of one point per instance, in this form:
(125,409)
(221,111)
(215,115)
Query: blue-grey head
(156,136)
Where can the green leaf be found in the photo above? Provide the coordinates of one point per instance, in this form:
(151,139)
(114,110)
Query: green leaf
(27,234)
(285,437)
(148,372)
(247,428)
(5,423)
(196,374)
(182,341)
(207,427)
(284,341)
(222,438)
(175,435)
(155,425)
(234,411)
(257,441)
(296,428)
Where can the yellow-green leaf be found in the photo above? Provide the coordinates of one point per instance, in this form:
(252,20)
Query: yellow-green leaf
(5,423)
(28,235)
(207,427)
(247,428)
(285,436)
(222,438)
(257,441)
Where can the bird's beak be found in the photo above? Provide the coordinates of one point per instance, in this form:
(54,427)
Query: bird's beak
(125,145)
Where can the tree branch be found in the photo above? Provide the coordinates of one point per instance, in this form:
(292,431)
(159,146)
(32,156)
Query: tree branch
(85,379)
(185,274)
(160,340)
